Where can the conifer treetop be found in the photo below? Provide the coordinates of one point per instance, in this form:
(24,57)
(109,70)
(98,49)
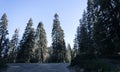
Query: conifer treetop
(40,24)
(56,16)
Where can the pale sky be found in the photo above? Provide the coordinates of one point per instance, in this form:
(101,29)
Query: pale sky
(20,11)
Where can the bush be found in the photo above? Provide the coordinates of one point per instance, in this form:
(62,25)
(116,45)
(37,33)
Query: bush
(91,64)
(97,65)
(2,63)
(78,58)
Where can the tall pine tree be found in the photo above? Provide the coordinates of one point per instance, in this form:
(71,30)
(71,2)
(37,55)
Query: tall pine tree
(58,42)
(13,47)
(3,33)
(40,50)
(90,24)
(26,44)
(106,27)
(68,53)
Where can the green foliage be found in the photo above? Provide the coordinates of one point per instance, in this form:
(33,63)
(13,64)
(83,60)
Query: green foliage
(68,54)
(13,47)
(40,48)
(3,32)
(106,27)
(99,33)
(58,42)
(26,44)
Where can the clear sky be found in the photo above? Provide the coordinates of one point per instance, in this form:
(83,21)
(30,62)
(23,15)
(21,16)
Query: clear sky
(20,11)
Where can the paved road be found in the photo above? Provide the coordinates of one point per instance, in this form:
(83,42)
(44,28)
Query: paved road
(35,67)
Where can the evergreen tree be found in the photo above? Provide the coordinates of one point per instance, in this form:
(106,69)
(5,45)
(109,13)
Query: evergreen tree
(13,47)
(114,26)
(58,42)
(99,35)
(50,52)
(106,27)
(68,53)
(83,36)
(6,46)
(41,52)
(83,39)
(75,47)
(26,44)
(3,32)
(89,19)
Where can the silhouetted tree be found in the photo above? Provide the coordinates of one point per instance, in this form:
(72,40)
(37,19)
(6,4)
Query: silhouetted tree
(90,24)
(106,27)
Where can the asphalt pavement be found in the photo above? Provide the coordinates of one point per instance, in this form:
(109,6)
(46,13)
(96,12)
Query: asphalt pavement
(36,67)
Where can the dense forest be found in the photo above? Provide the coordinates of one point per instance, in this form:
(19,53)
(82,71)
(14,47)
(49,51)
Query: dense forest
(96,43)
(32,48)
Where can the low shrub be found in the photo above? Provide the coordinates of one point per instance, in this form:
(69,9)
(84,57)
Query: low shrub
(77,60)
(91,64)
(2,63)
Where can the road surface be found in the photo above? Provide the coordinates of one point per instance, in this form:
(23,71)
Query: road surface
(36,67)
